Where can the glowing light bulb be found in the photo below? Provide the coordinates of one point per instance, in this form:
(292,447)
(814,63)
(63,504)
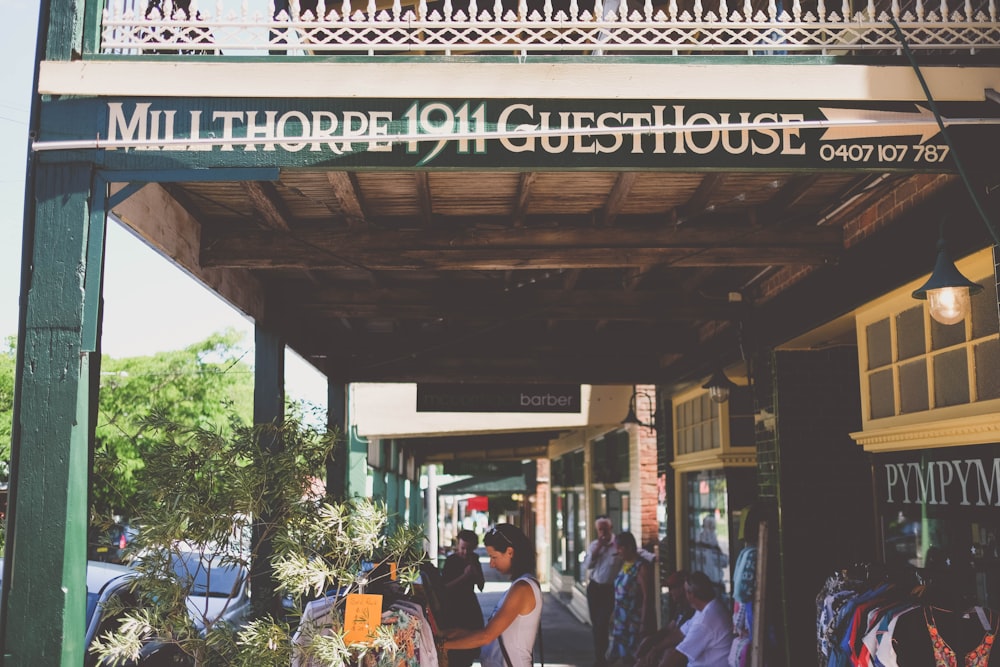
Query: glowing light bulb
(948,305)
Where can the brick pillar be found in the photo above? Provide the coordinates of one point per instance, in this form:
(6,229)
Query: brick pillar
(648,532)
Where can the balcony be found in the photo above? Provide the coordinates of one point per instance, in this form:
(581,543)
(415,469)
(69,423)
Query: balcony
(953,30)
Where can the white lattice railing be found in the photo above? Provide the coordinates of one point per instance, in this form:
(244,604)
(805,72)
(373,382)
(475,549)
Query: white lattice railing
(447,28)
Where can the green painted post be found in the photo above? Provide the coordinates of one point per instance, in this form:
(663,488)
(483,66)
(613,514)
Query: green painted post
(379,486)
(416,517)
(357,464)
(268,408)
(392,496)
(336,420)
(65,35)
(400,499)
(46,598)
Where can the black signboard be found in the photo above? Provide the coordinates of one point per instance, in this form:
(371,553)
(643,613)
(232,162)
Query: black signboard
(556,398)
(168,133)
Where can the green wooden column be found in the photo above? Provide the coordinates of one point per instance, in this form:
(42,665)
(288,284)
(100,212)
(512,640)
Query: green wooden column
(417,517)
(357,462)
(377,470)
(392,486)
(45,598)
(268,408)
(400,499)
(336,420)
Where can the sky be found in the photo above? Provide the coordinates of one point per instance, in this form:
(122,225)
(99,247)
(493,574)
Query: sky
(150,305)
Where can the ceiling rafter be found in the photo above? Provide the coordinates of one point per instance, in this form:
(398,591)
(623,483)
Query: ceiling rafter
(458,304)
(526,248)
(699,201)
(345,193)
(423,185)
(267,204)
(617,197)
(524,183)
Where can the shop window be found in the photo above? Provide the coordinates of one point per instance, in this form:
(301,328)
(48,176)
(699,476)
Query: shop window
(946,335)
(697,426)
(708,524)
(912,387)
(879,344)
(937,509)
(914,364)
(882,391)
(988,370)
(910,332)
(611,459)
(951,378)
(614,505)
(984,311)
(569,514)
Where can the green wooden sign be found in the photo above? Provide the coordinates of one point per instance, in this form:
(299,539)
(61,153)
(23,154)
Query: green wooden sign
(169,133)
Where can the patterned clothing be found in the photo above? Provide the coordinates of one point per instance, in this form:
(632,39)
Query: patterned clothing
(626,622)
(944,655)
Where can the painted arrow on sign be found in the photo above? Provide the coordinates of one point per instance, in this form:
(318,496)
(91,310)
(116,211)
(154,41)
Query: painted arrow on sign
(868,123)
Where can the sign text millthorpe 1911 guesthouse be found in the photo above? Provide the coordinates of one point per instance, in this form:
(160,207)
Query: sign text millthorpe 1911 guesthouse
(503,133)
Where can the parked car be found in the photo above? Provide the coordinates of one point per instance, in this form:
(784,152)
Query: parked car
(108,544)
(101,578)
(219,592)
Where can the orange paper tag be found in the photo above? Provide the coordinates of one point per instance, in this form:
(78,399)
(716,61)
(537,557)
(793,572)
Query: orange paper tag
(392,572)
(362,616)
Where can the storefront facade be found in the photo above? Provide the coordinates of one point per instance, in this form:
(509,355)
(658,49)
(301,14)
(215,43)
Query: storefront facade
(404,218)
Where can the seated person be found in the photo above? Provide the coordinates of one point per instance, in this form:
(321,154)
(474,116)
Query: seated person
(708,636)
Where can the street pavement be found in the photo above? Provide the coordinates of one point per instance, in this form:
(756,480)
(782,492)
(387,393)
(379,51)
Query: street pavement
(566,642)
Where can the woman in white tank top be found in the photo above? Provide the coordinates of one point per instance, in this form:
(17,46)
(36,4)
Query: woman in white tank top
(514,623)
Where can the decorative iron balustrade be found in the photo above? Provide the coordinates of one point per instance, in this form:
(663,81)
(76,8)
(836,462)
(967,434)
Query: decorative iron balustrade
(445,27)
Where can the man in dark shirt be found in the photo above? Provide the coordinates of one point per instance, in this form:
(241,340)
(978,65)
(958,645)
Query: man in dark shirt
(462,573)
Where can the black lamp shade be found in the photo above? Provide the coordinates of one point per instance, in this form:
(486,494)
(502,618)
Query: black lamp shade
(945,274)
(719,386)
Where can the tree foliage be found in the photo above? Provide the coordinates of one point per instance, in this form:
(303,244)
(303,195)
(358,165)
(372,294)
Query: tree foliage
(201,386)
(204,490)
(7,366)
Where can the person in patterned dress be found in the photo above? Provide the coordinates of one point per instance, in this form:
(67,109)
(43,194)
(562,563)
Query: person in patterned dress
(634,615)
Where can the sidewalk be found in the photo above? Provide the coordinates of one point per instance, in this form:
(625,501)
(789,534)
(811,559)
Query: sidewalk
(566,642)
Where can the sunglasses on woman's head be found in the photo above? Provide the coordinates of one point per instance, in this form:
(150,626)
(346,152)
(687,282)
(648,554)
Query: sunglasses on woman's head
(496,531)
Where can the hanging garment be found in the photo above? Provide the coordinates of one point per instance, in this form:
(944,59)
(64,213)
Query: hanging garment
(944,655)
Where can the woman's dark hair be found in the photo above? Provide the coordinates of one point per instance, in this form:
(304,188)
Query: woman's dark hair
(504,535)
(626,540)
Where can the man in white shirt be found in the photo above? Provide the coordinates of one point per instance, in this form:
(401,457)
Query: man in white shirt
(708,636)
(602,563)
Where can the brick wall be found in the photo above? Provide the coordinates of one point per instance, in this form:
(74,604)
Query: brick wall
(883,211)
(648,525)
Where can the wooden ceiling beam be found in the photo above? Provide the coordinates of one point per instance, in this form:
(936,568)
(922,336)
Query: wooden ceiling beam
(617,197)
(512,249)
(524,185)
(320,335)
(534,304)
(502,260)
(776,208)
(699,201)
(345,194)
(609,369)
(265,201)
(423,186)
